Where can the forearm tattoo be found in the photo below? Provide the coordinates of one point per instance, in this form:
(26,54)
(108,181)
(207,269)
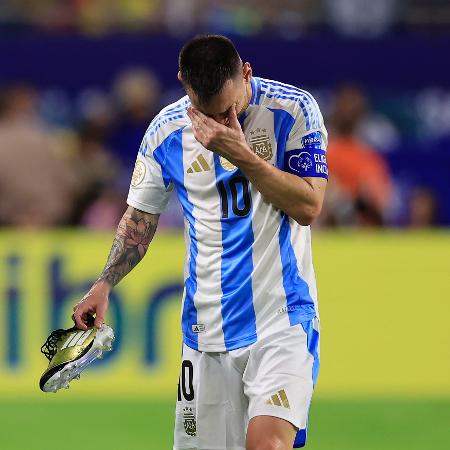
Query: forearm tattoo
(134,234)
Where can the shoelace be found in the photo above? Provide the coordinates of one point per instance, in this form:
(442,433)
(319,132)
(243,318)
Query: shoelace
(49,348)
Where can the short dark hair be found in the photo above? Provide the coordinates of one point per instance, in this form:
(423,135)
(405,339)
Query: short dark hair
(206,62)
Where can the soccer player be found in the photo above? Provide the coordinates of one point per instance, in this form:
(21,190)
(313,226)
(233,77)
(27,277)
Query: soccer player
(246,157)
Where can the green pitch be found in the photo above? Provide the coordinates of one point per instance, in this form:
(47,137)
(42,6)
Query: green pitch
(55,424)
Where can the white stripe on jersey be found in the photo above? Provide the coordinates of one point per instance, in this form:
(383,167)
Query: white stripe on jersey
(208,261)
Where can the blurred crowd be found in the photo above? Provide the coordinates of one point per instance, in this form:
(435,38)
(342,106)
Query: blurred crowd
(287,18)
(68,160)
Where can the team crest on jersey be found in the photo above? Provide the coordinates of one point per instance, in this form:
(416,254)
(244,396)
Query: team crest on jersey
(227,165)
(138,174)
(189,423)
(260,143)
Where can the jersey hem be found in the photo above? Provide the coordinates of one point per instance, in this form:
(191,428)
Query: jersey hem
(243,342)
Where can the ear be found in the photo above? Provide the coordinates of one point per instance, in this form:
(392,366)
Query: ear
(179,76)
(247,72)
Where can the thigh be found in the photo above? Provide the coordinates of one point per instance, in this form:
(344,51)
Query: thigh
(268,432)
(211,403)
(280,376)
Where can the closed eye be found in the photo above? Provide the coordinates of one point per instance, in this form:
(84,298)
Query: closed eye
(220,115)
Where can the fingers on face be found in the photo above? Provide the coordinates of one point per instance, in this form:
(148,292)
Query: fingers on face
(198,118)
(200,136)
(196,123)
(232,116)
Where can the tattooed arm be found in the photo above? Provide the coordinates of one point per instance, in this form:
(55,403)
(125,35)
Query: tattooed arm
(134,234)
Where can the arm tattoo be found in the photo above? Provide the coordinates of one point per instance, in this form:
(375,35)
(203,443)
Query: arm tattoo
(134,234)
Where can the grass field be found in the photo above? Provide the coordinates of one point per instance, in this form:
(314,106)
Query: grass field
(139,425)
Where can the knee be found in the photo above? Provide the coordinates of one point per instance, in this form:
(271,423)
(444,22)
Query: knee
(272,443)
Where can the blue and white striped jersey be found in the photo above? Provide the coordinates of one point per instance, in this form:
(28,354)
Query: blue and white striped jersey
(248,267)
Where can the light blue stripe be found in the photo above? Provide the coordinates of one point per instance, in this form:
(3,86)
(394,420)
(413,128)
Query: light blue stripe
(286,89)
(238,313)
(300,305)
(151,128)
(174,166)
(311,117)
(258,91)
(154,128)
(282,125)
(313,347)
(179,104)
(305,112)
(171,111)
(253,84)
(309,98)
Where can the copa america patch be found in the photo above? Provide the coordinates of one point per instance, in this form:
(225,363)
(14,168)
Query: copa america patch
(309,161)
(138,173)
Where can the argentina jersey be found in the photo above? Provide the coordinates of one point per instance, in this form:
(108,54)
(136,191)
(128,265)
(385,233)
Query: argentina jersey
(248,267)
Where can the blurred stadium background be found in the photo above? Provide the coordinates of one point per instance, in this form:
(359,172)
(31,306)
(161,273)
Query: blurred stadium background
(80,80)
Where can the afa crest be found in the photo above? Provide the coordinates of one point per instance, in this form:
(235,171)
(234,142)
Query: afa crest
(189,423)
(260,143)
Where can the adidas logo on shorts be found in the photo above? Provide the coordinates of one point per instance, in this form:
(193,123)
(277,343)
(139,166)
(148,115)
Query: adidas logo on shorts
(278,399)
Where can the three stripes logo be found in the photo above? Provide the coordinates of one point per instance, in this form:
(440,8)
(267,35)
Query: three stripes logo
(278,399)
(78,338)
(199,165)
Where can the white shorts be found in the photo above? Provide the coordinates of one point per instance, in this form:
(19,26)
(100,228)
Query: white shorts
(218,393)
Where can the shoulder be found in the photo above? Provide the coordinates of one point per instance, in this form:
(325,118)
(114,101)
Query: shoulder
(170,120)
(299,103)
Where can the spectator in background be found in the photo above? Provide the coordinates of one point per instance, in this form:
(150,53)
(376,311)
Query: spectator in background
(422,208)
(136,92)
(36,183)
(366,18)
(360,184)
(99,204)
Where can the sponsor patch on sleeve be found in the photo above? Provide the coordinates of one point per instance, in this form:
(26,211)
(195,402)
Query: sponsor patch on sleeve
(312,140)
(309,161)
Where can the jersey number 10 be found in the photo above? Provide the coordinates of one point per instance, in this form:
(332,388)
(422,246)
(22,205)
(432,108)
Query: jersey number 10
(240,196)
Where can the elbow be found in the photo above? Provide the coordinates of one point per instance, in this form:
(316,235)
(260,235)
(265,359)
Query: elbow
(306,216)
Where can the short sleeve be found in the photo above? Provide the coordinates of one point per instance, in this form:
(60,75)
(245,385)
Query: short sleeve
(307,142)
(149,189)
(308,121)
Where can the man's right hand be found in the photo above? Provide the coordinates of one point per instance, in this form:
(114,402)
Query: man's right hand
(95,302)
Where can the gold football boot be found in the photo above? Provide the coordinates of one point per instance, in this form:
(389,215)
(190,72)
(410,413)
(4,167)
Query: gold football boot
(70,352)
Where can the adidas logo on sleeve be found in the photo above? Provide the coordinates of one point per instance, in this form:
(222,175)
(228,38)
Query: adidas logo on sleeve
(279,399)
